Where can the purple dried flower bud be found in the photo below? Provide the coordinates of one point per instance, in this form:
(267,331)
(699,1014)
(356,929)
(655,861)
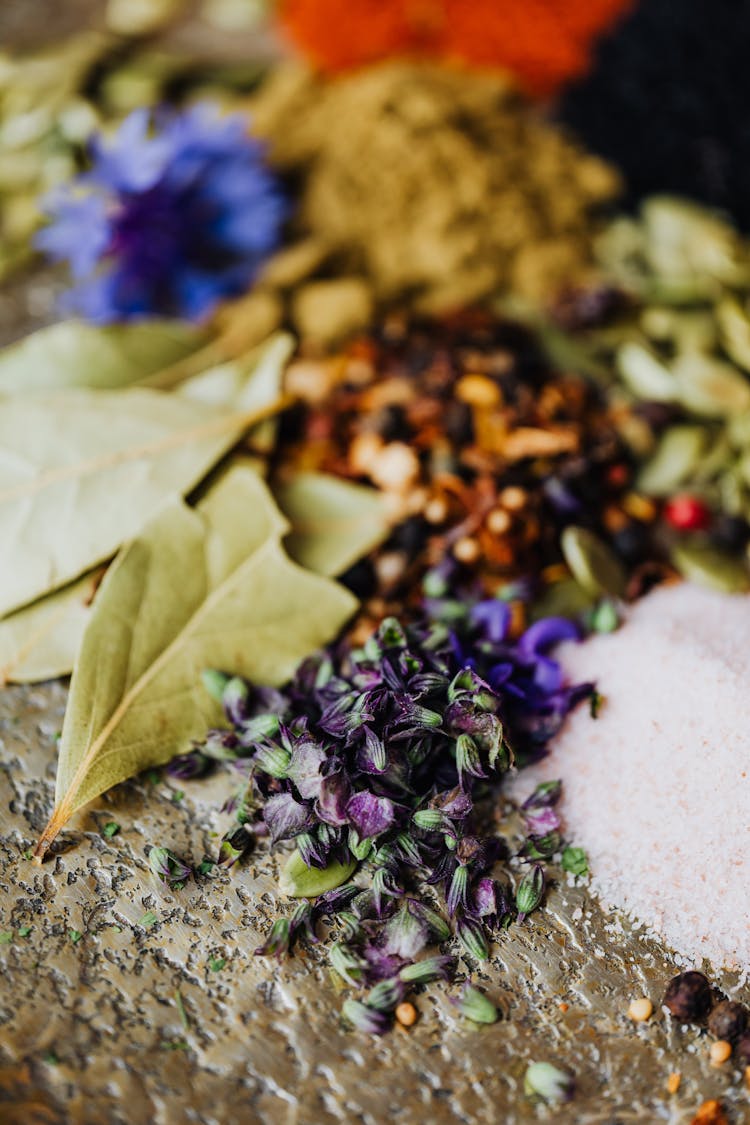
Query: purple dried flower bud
(221,745)
(273,760)
(384,886)
(530,891)
(427,970)
(543,1080)
(370,815)
(473,690)
(305,766)
(333,902)
(406,933)
(386,994)
(302,921)
(286,818)
(235,844)
(472,937)
(360,849)
(311,850)
(259,727)
(467,758)
(332,804)
(541,821)
(277,942)
(391,634)
(542,847)
(455,803)
(362,1018)
(545,795)
(185,767)
(235,700)
(346,963)
(372,756)
(458,890)
(431,820)
(168,868)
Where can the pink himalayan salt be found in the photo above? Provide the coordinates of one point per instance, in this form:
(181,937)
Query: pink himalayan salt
(657,789)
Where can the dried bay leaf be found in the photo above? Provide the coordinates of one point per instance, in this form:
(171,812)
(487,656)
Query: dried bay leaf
(75,354)
(210,587)
(41,641)
(334,523)
(81,472)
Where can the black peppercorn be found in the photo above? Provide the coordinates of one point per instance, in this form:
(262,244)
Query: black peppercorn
(727,1020)
(688,996)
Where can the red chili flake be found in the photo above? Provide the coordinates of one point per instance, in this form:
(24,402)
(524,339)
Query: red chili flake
(687,513)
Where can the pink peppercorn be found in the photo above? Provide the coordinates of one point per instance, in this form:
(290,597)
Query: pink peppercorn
(687,513)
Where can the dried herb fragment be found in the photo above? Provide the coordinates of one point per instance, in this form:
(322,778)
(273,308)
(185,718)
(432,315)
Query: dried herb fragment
(574,861)
(111,828)
(548,1082)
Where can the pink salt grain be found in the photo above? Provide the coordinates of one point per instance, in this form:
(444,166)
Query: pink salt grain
(657,789)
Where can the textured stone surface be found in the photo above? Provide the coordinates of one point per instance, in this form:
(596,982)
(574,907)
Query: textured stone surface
(263,1042)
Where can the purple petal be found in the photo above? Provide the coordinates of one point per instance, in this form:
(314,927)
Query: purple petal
(493,616)
(370,815)
(286,817)
(304,768)
(547,633)
(332,804)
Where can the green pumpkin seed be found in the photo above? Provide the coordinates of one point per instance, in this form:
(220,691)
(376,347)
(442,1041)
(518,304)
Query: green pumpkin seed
(645,375)
(563,599)
(300,881)
(709,386)
(591,562)
(710,567)
(677,457)
(734,327)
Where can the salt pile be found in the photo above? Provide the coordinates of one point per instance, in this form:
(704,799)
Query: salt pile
(657,789)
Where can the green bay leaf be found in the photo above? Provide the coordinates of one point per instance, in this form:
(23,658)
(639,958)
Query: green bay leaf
(204,588)
(42,640)
(82,471)
(75,354)
(334,523)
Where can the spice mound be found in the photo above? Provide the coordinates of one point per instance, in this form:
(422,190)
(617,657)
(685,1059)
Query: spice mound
(434,182)
(657,788)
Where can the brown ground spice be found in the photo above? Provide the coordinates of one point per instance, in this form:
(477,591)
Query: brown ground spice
(434,184)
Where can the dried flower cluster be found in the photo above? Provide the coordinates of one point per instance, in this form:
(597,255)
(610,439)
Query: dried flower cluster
(380,756)
(166,223)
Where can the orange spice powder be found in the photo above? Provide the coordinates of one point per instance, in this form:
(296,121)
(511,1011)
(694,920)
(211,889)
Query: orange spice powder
(545,43)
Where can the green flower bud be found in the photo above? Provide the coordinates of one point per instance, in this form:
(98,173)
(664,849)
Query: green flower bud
(472,938)
(543,1080)
(530,892)
(475,1006)
(214,682)
(386,995)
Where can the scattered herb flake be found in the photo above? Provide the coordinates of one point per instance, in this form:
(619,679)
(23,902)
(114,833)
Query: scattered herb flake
(595,704)
(28,854)
(205,866)
(574,861)
(50,1058)
(216,964)
(6,937)
(148,920)
(75,936)
(176,1045)
(111,828)
(24,931)
(177,796)
(181,1009)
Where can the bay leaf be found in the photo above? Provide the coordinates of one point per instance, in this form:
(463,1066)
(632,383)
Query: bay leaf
(41,641)
(81,471)
(334,522)
(199,588)
(75,354)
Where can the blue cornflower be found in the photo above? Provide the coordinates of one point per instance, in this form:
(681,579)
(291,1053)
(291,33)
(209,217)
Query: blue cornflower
(167,222)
